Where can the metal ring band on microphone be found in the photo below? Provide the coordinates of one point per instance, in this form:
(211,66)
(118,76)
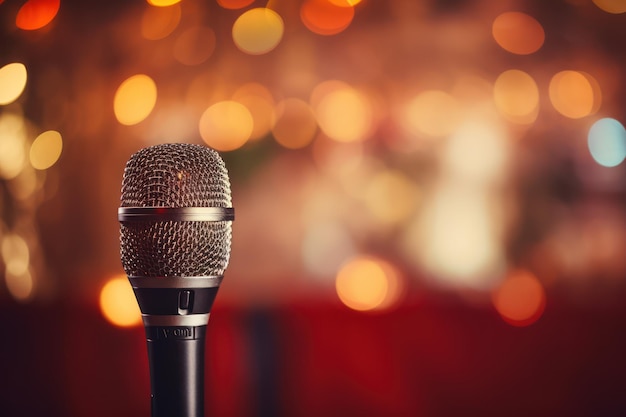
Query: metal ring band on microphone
(176,282)
(168,321)
(182,214)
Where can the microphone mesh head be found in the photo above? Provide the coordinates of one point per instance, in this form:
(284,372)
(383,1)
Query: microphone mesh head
(174,176)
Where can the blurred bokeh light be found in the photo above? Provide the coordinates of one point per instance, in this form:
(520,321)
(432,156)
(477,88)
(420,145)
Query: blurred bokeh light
(430,202)
(518,33)
(135,99)
(35,14)
(607,142)
(117,302)
(258,31)
(12,82)
(520,299)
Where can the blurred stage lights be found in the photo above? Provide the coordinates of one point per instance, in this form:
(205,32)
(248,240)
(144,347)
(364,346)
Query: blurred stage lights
(135,99)
(159,22)
(518,33)
(12,145)
(13,78)
(611,6)
(16,258)
(118,304)
(258,31)
(574,94)
(431,114)
(35,14)
(162,3)
(226,125)
(516,96)
(342,112)
(326,17)
(366,283)
(46,149)
(520,299)
(607,142)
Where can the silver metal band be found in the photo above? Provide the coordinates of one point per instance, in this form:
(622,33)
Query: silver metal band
(176,282)
(182,214)
(166,321)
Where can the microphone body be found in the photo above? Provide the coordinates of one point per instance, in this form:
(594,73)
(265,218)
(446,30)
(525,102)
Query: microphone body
(175,244)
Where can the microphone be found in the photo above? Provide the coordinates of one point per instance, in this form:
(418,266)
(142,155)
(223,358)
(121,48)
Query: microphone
(175,233)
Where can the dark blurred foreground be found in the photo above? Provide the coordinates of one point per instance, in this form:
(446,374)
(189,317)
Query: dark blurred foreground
(423,359)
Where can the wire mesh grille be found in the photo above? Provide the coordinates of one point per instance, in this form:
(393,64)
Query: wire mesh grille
(173,176)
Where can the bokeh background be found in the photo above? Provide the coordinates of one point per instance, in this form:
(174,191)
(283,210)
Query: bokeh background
(430,200)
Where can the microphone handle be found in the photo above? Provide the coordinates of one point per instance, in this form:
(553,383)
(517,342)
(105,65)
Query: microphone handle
(176,360)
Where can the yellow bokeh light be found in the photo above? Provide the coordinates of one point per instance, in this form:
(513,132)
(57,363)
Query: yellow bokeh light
(258,31)
(12,82)
(162,3)
(611,6)
(118,304)
(135,99)
(295,125)
(46,149)
(344,114)
(520,299)
(572,94)
(226,125)
(158,22)
(195,45)
(518,33)
(432,113)
(391,197)
(12,145)
(367,283)
(234,4)
(516,96)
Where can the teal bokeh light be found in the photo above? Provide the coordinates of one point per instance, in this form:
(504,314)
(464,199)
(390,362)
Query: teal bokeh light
(607,142)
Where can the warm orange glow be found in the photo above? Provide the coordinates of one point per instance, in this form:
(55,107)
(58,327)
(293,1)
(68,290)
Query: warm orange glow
(118,304)
(259,101)
(574,94)
(226,125)
(611,6)
(35,14)
(295,124)
(391,197)
(345,3)
(135,99)
(520,299)
(162,3)
(343,113)
(518,33)
(234,4)
(46,149)
(12,145)
(258,31)
(366,283)
(431,113)
(516,96)
(158,22)
(12,82)
(195,45)
(324,17)
(16,257)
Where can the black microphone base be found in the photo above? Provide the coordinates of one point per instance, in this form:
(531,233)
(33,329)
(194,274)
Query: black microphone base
(176,358)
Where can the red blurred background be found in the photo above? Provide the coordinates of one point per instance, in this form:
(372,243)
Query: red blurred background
(430,202)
